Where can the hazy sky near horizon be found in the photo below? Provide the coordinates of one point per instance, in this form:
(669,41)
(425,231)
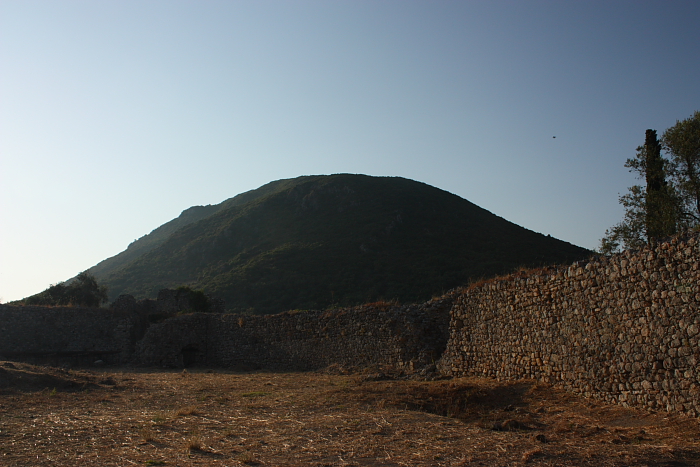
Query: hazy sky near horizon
(115,116)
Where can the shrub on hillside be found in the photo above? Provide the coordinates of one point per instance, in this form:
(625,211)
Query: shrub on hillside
(82,291)
(197,299)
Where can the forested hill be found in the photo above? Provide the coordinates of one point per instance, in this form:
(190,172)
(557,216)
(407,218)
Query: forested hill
(318,241)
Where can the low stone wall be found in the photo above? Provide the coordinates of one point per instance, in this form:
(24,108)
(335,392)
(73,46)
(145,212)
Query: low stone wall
(624,329)
(406,337)
(140,332)
(67,335)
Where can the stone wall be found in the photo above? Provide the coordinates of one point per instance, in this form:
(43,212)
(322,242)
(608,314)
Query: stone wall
(624,329)
(169,303)
(149,332)
(406,337)
(67,335)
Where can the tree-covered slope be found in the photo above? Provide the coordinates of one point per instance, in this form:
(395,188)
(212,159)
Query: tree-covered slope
(195,213)
(312,242)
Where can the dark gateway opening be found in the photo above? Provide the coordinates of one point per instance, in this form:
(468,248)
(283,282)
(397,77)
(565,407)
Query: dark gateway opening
(192,356)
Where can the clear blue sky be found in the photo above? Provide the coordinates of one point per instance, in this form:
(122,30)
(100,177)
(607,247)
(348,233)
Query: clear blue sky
(117,115)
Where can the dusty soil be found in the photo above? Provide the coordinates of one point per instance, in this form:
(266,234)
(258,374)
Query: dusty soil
(122,417)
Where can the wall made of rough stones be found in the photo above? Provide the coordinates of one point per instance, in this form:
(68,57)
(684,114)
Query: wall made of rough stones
(66,335)
(156,333)
(169,303)
(406,337)
(624,329)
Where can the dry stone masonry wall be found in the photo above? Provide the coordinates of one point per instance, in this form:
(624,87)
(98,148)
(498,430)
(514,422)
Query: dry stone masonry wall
(152,332)
(406,337)
(624,329)
(67,335)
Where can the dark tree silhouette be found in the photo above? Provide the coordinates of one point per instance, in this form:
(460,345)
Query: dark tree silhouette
(670,201)
(661,208)
(82,291)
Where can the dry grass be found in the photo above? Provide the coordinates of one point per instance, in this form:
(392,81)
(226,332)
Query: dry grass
(531,454)
(194,442)
(246,458)
(383,304)
(186,411)
(523,272)
(321,419)
(148,434)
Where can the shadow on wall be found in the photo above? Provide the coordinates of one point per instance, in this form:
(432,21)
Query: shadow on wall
(407,337)
(193,357)
(157,333)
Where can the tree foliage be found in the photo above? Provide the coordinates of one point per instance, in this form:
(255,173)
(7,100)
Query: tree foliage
(83,291)
(197,300)
(670,200)
(682,144)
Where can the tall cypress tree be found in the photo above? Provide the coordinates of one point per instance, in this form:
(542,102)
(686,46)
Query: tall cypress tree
(661,211)
(652,211)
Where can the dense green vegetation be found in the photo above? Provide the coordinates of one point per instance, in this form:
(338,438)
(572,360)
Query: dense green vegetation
(197,299)
(320,241)
(669,202)
(81,291)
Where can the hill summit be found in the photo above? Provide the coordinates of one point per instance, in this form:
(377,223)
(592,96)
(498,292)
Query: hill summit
(331,240)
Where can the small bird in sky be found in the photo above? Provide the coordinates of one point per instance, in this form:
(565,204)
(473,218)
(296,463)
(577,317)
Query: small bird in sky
(553,136)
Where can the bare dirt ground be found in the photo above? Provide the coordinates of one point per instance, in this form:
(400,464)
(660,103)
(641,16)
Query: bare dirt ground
(123,417)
